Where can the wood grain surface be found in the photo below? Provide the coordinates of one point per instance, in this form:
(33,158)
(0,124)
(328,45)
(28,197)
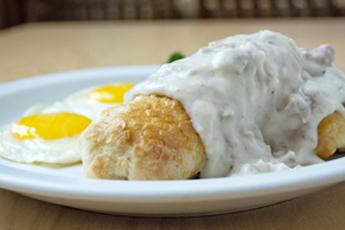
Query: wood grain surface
(42,48)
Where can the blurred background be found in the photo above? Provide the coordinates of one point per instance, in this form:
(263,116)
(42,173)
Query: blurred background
(14,12)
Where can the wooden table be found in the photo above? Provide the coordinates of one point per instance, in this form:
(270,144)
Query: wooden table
(42,48)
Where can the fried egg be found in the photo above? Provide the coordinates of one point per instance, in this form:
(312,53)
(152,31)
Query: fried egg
(50,134)
(92,101)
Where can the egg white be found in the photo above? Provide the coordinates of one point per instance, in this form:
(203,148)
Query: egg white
(60,152)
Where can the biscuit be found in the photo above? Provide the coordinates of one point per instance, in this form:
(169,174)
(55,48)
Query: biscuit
(331,135)
(150,138)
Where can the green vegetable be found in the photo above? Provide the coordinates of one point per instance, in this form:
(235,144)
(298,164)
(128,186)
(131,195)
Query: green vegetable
(175,56)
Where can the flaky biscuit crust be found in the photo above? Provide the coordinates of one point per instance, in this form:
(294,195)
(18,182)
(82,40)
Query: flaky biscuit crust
(150,138)
(331,135)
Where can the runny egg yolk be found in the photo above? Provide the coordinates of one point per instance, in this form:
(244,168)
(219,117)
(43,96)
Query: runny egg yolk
(111,93)
(50,126)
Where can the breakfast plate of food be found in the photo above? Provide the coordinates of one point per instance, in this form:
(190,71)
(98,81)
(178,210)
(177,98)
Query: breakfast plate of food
(245,122)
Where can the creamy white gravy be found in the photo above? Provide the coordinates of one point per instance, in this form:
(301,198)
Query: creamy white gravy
(255,100)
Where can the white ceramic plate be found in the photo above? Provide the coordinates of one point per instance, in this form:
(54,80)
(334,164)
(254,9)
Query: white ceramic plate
(66,186)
